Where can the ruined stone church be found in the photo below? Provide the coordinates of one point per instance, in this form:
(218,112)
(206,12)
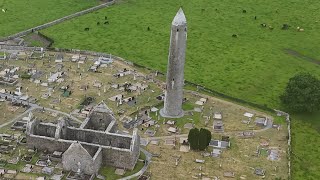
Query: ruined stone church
(94,144)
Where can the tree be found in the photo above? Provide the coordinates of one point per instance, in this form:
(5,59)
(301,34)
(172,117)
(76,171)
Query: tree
(302,93)
(204,139)
(199,140)
(193,138)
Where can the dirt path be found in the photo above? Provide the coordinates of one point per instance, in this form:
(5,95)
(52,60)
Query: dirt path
(301,56)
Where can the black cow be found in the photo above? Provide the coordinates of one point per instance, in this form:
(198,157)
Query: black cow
(285,27)
(86,29)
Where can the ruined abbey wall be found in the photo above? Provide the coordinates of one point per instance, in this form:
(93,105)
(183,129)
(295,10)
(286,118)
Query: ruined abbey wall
(98,137)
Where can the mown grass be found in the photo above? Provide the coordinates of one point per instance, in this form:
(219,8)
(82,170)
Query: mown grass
(253,66)
(21,15)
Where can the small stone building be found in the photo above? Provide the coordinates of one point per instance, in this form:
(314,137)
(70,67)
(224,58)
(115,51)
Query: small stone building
(94,144)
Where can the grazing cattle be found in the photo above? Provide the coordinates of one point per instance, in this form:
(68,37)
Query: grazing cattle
(285,27)
(98,23)
(202,10)
(271,28)
(86,29)
(107,22)
(244,11)
(255,17)
(234,35)
(148,28)
(301,30)
(263,25)
(105,18)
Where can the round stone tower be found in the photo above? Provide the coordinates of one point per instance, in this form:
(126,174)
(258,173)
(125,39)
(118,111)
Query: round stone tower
(175,69)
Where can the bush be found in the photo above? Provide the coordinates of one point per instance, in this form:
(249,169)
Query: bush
(25,76)
(199,140)
(193,138)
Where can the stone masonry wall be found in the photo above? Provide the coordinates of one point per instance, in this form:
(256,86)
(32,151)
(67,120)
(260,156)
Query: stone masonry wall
(99,120)
(45,130)
(73,156)
(46,143)
(118,158)
(97,137)
(97,159)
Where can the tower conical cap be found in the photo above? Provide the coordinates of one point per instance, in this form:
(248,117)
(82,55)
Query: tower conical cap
(180,18)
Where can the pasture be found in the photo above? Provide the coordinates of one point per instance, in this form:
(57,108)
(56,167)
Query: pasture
(16,16)
(254,66)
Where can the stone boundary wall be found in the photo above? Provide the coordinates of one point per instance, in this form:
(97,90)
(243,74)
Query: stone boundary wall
(57,21)
(289,151)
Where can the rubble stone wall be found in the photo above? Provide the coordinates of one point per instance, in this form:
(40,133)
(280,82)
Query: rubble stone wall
(97,137)
(45,130)
(99,121)
(47,143)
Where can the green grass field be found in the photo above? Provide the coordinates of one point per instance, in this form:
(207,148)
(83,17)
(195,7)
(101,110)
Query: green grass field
(21,15)
(253,66)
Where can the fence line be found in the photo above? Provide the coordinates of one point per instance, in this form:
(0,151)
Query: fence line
(57,21)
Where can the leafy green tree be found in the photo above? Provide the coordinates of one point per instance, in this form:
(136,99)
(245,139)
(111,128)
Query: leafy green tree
(302,93)
(193,138)
(204,139)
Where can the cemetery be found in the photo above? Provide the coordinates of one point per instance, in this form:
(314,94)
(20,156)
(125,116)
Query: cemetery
(132,94)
